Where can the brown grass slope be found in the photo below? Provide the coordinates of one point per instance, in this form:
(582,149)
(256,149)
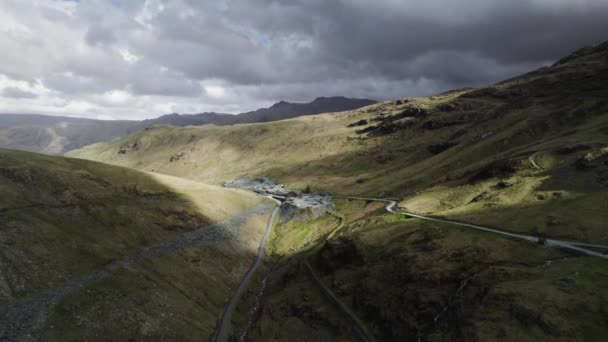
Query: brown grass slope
(444,154)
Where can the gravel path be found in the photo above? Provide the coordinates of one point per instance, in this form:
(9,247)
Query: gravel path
(222,333)
(20,321)
(532,160)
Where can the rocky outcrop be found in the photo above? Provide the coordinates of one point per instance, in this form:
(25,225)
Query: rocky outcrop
(438,123)
(22,176)
(498,169)
(447,107)
(177,157)
(385,128)
(129,147)
(410,112)
(358,123)
(289,211)
(438,148)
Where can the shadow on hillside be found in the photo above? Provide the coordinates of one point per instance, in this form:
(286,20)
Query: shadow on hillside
(98,250)
(408,280)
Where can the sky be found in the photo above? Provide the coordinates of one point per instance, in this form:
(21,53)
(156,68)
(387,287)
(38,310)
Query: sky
(136,59)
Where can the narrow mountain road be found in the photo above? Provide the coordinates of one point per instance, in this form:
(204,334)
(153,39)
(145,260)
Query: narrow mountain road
(23,319)
(222,332)
(532,160)
(569,245)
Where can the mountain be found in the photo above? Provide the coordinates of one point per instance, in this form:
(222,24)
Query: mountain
(176,119)
(528,155)
(285,110)
(279,111)
(56,135)
(90,250)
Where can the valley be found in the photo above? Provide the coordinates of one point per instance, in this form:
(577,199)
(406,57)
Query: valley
(523,157)
(478,214)
(56,134)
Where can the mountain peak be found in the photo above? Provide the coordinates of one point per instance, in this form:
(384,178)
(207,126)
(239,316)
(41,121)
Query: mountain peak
(330,98)
(584,52)
(280,104)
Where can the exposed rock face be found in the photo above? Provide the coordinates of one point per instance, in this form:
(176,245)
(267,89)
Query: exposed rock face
(441,123)
(503,184)
(177,156)
(497,169)
(388,124)
(447,107)
(592,160)
(409,112)
(289,212)
(358,123)
(438,148)
(17,175)
(479,197)
(385,128)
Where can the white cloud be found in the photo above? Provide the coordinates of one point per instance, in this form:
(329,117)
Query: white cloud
(116,98)
(128,56)
(215,91)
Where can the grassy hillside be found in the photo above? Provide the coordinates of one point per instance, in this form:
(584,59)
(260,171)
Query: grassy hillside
(529,154)
(523,154)
(56,135)
(90,250)
(408,279)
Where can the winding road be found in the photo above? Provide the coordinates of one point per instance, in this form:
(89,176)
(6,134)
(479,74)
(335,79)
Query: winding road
(222,332)
(532,160)
(569,245)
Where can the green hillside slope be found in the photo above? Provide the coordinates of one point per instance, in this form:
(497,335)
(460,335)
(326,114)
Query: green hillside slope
(93,251)
(409,279)
(530,148)
(528,155)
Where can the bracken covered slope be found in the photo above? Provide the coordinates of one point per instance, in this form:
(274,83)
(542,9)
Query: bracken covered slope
(94,251)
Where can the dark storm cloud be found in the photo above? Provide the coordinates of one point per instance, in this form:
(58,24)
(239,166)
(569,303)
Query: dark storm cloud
(147,79)
(235,55)
(17,93)
(380,38)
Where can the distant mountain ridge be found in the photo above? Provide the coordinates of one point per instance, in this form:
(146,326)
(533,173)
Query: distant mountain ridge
(57,134)
(285,110)
(279,111)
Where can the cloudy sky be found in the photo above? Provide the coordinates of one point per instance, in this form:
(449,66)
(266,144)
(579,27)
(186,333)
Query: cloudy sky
(138,59)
